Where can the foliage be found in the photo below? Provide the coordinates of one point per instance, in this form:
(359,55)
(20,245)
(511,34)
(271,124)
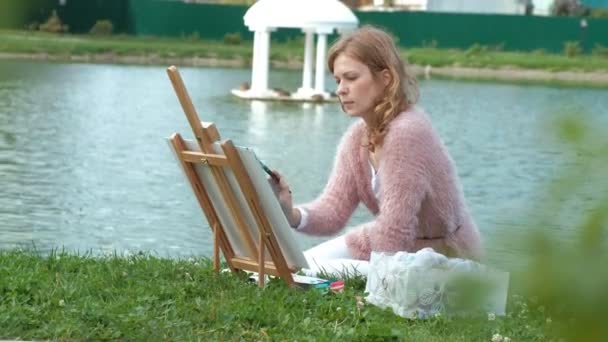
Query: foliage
(572,48)
(102,28)
(570,8)
(233,38)
(480,50)
(294,42)
(566,276)
(599,13)
(433,44)
(33,26)
(600,50)
(53,24)
(194,36)
(475,50)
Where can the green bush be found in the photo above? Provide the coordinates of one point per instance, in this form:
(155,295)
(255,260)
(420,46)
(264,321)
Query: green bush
(600,50)
(194,36)
(430,44)
(564,276)
(32,26)
(599,13)
(296,42)
(102,28)
(475,50)
(572,48)
(53,24)
(233,38)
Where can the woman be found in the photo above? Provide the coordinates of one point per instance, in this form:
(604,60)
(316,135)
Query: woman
(392,160)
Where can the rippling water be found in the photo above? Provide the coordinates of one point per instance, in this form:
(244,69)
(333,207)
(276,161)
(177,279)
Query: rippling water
(84,164)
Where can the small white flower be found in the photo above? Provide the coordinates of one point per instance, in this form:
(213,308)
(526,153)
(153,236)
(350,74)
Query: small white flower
(61,302)
(497,338)
(549,320)
(438,314)
(338,308)
(491,316)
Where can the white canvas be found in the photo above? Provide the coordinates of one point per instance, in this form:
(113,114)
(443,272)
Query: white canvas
(283,232)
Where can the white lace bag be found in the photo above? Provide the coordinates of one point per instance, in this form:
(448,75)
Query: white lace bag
(426,283)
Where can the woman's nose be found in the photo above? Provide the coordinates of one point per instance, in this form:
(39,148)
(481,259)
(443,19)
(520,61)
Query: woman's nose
(341,90)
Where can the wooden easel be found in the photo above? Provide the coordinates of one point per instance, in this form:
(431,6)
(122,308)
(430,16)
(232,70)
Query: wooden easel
(206,135)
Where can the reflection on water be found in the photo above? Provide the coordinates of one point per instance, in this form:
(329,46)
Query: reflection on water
(84,163)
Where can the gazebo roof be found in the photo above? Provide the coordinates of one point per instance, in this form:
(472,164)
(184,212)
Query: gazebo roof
(319,15)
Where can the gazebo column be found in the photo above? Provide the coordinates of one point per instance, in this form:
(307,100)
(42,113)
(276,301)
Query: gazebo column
(307,71)
(320,66)
(254,63)
(261,54)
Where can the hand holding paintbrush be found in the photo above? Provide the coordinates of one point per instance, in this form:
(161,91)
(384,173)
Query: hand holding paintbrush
(283,193)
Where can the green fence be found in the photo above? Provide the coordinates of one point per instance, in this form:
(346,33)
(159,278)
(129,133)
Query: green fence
(511,32)
(209,21)
(160,18)
(414,29)
(81,15)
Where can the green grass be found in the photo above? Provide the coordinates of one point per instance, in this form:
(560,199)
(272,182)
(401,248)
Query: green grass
(483,58)
(477,56)
(55,44)
(143,298)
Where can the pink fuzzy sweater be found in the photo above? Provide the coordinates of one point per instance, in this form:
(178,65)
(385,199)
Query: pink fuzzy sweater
(419,205)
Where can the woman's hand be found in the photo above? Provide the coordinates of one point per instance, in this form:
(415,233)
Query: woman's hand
(283,193)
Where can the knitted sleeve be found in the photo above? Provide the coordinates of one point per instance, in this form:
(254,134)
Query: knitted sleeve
(330,211)
(408,152)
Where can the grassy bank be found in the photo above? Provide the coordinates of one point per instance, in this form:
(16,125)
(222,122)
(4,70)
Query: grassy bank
(290,53)
(144,298)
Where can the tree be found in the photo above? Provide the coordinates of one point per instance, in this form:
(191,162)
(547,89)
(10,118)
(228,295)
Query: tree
(568,8)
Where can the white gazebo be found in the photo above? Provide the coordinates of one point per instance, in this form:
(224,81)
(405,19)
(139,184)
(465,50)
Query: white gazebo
(314,17)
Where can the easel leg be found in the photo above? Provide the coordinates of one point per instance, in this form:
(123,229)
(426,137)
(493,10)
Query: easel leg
(261,260)
(216,248)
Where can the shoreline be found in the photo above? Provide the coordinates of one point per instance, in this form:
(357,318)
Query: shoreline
(504,74)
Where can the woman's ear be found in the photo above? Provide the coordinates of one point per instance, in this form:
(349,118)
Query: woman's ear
(387,77)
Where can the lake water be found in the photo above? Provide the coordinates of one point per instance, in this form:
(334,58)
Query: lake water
(84,164)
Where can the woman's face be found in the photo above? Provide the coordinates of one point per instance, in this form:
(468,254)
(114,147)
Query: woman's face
(357,87)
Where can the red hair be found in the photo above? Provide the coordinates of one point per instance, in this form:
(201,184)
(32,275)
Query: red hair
(376,49)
